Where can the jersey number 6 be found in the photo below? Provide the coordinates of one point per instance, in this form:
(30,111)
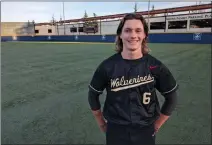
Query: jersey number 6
(146,98)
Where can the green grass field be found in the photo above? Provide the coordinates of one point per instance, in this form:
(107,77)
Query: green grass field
(45,85)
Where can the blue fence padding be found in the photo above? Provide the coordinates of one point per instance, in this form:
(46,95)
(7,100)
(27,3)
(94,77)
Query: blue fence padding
(45,38)
(95,38)
(6,38)
(198,38)
(202,38)
(60,38)
(30,38)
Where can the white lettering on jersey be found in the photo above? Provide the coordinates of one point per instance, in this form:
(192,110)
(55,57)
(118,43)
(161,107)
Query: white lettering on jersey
(122,84)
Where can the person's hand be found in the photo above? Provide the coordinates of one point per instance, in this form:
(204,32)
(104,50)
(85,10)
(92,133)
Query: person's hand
(103,127)
(100,120)
(159,122)
(102,124)
(157,126)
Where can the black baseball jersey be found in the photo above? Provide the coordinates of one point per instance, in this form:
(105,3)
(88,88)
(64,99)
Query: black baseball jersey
(131,88)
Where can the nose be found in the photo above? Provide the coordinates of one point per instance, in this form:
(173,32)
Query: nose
(133,35)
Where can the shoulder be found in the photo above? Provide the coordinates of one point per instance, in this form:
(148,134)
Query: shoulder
(165,81)
(109,61)
(156,66)
(151,60)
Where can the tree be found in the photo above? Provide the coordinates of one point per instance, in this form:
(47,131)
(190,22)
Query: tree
(33,22)
(60,21)
(94,14)
(53,21)
(135,8)
(153,7)
(90,25)
(85,15)
(61,18)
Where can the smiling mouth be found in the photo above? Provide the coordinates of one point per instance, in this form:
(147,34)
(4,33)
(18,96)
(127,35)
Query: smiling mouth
(133,41)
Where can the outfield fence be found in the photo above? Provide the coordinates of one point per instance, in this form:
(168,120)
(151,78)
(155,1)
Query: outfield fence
(191,38)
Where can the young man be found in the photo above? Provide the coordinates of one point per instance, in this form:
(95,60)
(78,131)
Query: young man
(131,77)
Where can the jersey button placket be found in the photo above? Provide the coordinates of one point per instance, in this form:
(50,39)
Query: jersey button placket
(130,104)
(130,97)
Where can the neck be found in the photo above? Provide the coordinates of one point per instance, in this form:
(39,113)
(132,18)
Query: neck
(126,54)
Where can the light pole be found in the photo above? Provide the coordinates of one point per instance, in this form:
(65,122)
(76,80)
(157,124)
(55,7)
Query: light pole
(148,14)
(64,20)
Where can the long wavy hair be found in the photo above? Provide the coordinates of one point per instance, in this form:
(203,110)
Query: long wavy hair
(118,41)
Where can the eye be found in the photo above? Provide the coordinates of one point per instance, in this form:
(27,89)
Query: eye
(138,30)
(127,30)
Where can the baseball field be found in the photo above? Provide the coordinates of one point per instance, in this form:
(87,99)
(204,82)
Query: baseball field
(44,92)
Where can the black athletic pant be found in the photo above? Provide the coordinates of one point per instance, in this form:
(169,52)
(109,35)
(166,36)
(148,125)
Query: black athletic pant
(129,135)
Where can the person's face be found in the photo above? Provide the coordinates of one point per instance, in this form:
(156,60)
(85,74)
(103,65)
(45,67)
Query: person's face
(132,35)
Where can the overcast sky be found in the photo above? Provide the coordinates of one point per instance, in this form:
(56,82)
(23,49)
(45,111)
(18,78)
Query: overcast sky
(43,11)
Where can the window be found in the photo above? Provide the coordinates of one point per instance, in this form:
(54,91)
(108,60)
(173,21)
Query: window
(202,23)
(36,31)
(74,29)
(177,25)
(80,29)
(157,25)
(90,30)
(49,30)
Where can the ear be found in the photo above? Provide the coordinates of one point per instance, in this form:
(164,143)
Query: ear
(144,35)
(120,36)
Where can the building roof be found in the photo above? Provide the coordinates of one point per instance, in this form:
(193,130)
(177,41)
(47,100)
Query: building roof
(151,12)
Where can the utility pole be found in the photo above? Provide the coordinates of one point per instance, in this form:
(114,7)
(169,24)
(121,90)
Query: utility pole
(148,14)
(64,20)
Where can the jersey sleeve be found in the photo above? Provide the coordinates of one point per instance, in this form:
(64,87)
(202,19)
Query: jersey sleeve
(99,80)
(165,81)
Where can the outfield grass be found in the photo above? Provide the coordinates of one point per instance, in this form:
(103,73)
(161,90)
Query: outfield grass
(44,93)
